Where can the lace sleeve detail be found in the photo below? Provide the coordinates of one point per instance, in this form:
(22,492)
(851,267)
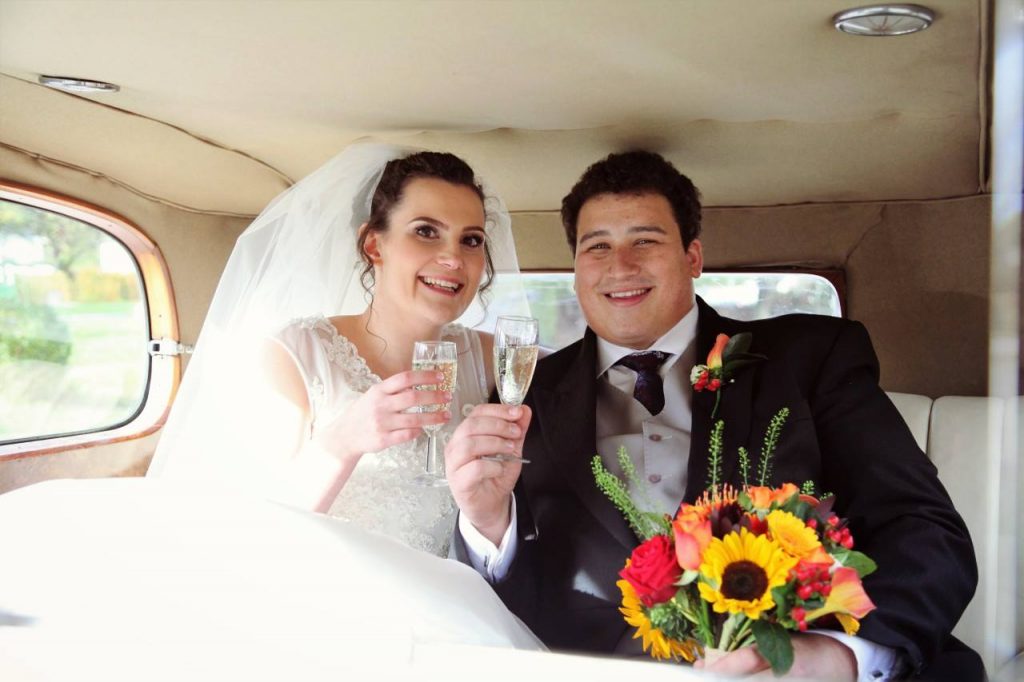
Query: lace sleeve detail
(332,369)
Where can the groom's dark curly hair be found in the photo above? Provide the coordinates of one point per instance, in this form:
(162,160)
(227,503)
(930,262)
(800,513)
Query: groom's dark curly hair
(397,174)
(635,172)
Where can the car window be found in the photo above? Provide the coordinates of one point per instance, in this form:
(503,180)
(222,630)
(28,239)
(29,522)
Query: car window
(73,326)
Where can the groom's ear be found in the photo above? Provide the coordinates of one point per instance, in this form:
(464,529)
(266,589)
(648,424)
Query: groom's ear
(371,243)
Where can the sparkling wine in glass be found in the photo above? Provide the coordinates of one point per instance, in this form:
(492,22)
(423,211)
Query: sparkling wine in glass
(437,356)
(515,357)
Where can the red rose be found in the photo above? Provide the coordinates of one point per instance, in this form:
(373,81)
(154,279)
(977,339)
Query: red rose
(653,570)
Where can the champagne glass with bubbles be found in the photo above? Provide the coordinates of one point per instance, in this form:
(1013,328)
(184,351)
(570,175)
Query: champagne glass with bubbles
(438,356)
(515,357)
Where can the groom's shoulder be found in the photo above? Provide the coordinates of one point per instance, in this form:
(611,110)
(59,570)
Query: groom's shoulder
(559,361)
(795,328)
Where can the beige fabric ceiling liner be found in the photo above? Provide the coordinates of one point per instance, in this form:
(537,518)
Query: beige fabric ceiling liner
(762,103)
(149,156)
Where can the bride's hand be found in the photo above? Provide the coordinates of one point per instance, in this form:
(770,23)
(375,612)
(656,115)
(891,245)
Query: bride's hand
(482,487)
(379,418)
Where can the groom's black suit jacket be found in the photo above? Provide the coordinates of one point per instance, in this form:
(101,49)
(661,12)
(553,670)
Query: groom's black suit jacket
(843,433)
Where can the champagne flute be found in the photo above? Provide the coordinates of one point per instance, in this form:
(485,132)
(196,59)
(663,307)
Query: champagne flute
(515,357)
(438,356)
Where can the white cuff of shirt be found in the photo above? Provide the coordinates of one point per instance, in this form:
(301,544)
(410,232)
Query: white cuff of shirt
(489,561)
(875,662)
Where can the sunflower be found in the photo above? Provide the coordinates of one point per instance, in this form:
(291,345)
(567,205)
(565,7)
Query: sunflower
(792,534)
(661,646)
(739,572)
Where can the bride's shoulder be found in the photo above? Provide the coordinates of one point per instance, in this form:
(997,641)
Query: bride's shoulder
(306,329)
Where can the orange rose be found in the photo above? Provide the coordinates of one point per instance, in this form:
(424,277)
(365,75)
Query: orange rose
(692,530)
(762,497)
(783,493)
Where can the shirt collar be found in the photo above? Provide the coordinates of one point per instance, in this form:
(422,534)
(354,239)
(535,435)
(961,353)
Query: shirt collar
(673,342)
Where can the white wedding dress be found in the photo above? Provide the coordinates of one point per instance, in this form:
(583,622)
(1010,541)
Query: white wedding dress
(381,495)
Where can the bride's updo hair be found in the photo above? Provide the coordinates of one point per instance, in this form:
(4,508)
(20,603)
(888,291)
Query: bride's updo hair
(397,174)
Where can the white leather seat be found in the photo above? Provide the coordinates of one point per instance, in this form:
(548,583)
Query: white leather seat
(965,438)
(917,413)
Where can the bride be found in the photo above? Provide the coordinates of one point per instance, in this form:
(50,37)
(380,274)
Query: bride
(301,387)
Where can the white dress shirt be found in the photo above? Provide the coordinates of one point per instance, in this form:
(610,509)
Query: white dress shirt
(659,446)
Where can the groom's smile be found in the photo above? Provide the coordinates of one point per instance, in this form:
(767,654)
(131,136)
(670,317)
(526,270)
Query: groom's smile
(628,297)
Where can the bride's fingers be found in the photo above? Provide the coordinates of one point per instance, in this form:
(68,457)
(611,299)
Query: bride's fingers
(414,420)
(402,381)
(400,402)
(399,436)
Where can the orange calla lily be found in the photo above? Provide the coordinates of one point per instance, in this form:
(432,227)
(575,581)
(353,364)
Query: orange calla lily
(847,597)
(715,356)
(818,556)
(692,531)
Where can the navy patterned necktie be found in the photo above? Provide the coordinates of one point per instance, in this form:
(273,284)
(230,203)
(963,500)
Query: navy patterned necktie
(648,389)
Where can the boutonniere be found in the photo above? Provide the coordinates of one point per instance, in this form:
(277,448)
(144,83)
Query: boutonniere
(728,355)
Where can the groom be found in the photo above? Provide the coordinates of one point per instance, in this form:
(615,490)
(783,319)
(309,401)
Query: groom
(552,544)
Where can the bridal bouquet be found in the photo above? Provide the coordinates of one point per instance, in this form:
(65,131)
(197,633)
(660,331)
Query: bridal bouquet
(740,566)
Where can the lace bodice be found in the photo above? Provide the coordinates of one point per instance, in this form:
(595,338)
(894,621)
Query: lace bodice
(381,494)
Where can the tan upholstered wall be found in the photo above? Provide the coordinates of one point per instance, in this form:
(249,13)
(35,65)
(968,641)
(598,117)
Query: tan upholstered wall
(917,274)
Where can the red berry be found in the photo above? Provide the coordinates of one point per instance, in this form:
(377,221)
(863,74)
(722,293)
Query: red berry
(802,626)
(812,523)
(798,613)
(804,592)
(826,589)
(833,520)
(847,542)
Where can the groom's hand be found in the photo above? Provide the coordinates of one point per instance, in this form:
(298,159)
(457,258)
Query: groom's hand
(482,488)
(815,657)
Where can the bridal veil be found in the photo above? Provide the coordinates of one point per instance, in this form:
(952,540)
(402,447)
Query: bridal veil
(296,259)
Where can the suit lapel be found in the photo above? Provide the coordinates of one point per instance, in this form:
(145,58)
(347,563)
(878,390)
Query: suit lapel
(734,408)
(567,413)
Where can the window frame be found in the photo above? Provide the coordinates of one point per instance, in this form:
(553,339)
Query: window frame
(164,370)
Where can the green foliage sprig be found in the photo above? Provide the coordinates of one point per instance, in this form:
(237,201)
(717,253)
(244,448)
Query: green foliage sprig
(771,441)
(645,524)
(744,464)
(715,456)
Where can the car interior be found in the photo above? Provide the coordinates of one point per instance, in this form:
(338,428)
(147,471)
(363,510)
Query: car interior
(878,159)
